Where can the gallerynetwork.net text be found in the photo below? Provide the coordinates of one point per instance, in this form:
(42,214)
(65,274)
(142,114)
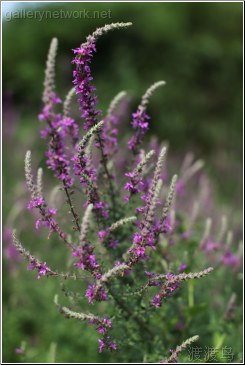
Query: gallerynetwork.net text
(57,14)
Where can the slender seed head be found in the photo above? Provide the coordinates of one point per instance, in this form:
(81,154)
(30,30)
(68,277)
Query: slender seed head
(67,102)
(49,82)
(107,28)
(149,92)
(40,182)
(115,102)
(170,198)
(85,223)
(121,222)
(29,177)
(89,134)
(179,349)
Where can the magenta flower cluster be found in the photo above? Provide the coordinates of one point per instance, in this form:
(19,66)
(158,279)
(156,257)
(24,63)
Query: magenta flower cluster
(42,268)
(140,124)
(57,129)
(167,287)
(87,260)
(84,89)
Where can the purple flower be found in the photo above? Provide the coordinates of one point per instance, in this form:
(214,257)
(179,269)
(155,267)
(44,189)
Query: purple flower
(167,225)
(35,203)
(38,223)
(109,135)
(57,129)
(231,260)
(52,211)
(134,184)
(186,235)
(113,244)
(92,294)
(58,160)
(31,267)
(82,81)
(180,188)
(42,268)
(211,246)
(167,288)
(182,267)
(112,345)
(102,345)
(9,250)
(156,301)
(149,274)
(138,238)
(107,344)
(107,322)
(140,125)
(150,241)
(140,251)
(101,329)
(19,351)
(103,234)
(140,210)
(86,259)
(103,326)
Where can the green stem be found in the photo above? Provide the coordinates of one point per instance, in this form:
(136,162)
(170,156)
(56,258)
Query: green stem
(191,294)
(141,323)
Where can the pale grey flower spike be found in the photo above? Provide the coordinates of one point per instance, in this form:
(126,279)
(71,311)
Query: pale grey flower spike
(85,223)
(223,229)
(179,349)
(67,102)
(229,238)
(121,222)
(169,199)
(80,316)
(89,134)
(49,82)
(115,102)
(192,170)
(206,232)
(149,92)
(107,28)
(152,207)
(40,182)
(29,177)
(157,173)
(116,270)
(143,163)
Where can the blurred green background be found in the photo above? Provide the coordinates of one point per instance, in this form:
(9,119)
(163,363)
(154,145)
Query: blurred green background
(195,47)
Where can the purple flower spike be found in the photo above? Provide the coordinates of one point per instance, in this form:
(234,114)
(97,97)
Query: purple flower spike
(140,125)
(82,81)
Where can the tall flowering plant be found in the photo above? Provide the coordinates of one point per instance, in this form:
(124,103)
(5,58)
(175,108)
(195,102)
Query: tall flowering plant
(123,218)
